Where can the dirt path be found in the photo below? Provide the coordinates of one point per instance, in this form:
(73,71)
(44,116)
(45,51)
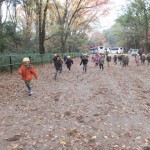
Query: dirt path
(98,110)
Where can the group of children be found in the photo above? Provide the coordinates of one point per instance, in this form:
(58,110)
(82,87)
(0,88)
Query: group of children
(142,59)
(99,60)
(58,63)
(123,59)
(27,70)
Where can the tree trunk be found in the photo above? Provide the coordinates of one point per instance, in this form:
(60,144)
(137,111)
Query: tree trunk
(146,26)
(63,45)
(42,24)
(37,24)
(63,37)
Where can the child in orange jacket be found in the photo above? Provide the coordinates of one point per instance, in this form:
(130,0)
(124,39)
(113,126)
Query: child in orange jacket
(26,71)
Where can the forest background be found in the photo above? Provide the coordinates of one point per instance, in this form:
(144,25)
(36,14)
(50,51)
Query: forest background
(42,26)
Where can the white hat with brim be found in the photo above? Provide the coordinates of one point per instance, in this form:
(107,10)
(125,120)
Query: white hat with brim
(26,59)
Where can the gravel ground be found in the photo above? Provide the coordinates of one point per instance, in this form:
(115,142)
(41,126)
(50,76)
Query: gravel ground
(97,110)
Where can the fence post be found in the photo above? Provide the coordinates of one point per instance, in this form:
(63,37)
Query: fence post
(10,63)
(42,59)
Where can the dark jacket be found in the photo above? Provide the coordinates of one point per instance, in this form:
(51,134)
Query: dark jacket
(54,59)
(58,64)
(69,62)
(115,58)
(84,61)
(108,58)
(101,60)
(124,60)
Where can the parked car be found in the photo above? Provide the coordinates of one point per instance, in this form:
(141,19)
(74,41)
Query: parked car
(133,52)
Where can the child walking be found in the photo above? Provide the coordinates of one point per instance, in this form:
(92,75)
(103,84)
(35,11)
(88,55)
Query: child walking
(108,59)
(84,61)
(137,59)
(96,59)
(27,71)
(58,66)
(69,62)
(115,59)
(101,62)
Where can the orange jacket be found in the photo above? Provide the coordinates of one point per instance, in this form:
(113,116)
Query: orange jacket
(27,73)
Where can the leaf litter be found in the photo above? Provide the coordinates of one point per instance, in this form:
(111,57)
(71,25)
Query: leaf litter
(77,111)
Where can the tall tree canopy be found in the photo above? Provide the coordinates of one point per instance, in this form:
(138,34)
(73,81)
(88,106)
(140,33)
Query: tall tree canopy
(132,27)
(49,22)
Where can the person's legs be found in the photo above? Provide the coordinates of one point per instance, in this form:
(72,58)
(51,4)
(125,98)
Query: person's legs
(99,66)
(27,82)
(85,67)
(56,74)
(102,66)
(108,63)
(60,70)
(123,64)
(69,67)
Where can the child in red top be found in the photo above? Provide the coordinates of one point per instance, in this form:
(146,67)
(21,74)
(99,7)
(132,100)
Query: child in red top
(96,59)
(26,71)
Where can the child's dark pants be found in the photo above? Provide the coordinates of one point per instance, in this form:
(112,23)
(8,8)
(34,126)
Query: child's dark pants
(27,82)
(101,66)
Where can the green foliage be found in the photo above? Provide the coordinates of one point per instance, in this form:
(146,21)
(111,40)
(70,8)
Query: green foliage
(131,27)
(36,59)
(135,21)
(77,42)
(53,26)
(9,37)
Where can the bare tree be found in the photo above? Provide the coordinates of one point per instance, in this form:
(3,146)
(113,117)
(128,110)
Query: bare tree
(76,12)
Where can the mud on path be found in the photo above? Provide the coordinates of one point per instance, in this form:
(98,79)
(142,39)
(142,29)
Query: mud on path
(97,110)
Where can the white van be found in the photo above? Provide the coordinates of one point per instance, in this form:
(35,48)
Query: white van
(117,50)
(107,50)
(133,52)
(97,49)
(120,50)
(114,50)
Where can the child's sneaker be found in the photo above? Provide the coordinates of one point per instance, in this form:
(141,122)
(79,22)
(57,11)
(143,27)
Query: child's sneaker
(30,93)
(60,72)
